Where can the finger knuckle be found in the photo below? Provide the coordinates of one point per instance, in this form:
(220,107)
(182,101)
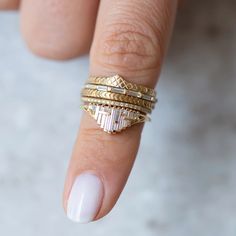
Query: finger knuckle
(130,47)
(105,147)
(54,36)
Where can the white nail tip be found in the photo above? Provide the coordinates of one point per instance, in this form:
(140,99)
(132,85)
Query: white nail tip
(85,198)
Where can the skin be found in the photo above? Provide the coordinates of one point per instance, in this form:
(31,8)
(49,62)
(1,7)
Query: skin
(123,37)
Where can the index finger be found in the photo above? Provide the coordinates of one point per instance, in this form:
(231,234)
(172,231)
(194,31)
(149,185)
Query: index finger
(130,39)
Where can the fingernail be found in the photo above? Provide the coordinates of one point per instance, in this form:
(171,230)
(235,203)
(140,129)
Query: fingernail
(85,198)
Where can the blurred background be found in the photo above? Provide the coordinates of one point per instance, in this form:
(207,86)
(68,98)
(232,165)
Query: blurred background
(183,182)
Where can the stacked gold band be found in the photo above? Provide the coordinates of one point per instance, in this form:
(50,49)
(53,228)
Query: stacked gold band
(117,97)
(116,103)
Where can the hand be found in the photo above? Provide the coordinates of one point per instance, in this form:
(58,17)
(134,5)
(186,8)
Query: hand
(130,38)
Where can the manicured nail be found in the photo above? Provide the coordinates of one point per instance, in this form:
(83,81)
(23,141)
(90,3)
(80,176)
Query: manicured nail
(85,198)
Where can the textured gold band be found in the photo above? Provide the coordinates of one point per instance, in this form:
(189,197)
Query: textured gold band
(115,103)
(117,97)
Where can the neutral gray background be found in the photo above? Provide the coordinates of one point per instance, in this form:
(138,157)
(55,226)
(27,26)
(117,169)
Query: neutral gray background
(183,182)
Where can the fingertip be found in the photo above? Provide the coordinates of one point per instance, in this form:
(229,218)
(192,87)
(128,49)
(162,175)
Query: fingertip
(106,156)
(9,4)
(58,29)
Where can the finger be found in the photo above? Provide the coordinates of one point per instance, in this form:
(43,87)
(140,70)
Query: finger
(130,39)
(58,29)
(9,4)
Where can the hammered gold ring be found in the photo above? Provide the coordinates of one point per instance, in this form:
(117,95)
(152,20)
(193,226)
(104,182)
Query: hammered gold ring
(116,103)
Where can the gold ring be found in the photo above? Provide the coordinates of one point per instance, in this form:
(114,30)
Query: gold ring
(106,102)
(119,82)
(116,103)
(116,97)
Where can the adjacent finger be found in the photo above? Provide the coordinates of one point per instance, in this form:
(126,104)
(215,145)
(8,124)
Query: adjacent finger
(58,29)
(130,39)
(9,4)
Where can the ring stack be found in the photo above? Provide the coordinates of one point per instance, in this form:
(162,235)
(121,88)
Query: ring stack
(116,103)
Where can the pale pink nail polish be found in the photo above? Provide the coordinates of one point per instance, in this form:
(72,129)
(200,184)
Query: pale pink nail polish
(85,198)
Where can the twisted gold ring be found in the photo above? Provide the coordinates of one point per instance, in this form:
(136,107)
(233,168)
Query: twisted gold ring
(116,103)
